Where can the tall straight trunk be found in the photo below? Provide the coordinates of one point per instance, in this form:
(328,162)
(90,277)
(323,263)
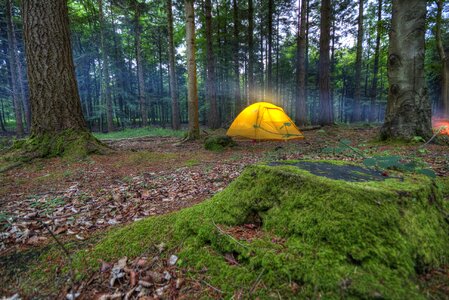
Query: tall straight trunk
(139,63)
(306,61)
(237,95)
(358,66)
(326,109)
(105,86)
(55,102)
(373,94)
(13,63)
(250,38)
(408,108)
(176,121)
(301,101)
(270,49)
(444,62)
(192,89)
(211,94)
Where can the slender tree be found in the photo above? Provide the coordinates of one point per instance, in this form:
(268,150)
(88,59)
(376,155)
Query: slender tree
(192,89)
(211,94)
(270,48)
(408,108)
(58,125)
(373,94)
(301,101)
(176,122)
(250,40)
(444,61)
(105,86)
(358,66)
(13,67)
(326,110)
(236,55)
(139,63)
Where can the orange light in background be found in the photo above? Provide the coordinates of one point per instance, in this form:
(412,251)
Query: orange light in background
(442,125)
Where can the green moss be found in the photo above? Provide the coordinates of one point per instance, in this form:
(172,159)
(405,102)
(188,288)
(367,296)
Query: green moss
(69,144)
(340,239)
(218,143)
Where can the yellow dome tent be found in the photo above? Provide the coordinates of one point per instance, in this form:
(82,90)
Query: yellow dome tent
(264,121)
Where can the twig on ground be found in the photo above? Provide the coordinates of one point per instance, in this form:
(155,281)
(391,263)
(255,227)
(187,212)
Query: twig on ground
(228,235)
(67,254)
(212,287)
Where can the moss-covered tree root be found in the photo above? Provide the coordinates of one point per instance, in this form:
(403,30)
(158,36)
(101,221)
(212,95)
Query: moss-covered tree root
(69,143)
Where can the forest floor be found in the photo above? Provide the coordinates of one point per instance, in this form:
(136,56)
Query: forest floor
(148,176)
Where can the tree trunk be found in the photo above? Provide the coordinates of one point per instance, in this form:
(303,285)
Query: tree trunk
(408,108)
(139,63)
(373,94)
(176,122)
(250,38)
(211,95)
(105,86)
(13,62)
(192,90)
(237,96)
(301,101)
(444,62)
(326,109)
(58,125)
(358,66)
(270,50)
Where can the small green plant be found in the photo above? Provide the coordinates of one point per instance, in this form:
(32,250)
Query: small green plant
(47,206)
(218,143)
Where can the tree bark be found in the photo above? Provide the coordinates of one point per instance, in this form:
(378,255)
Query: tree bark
(211,94)
(408,109)
(270,49)
(444,62)
(55,102)
(250,38)
(13,63)
(58,126)
(176,122)
(373,94)
(301,101)
(139,63)
(237,96)
(358,67)
(326,109)
(192,89)
(105,86)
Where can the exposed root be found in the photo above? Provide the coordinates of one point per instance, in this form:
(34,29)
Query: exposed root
(68,144)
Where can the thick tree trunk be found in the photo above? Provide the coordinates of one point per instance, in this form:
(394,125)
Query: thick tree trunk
(444,62)
(176,122)
(408,108)
(250,38)
(105,86)
(213,119)
(139,63)
(192,89)
(301,101)
(358,67)
(13,63)
(326,109)
(237,96)
(58,125)
(373,94)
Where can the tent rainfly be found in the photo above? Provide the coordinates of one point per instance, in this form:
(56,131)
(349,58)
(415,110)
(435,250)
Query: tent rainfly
(264,121)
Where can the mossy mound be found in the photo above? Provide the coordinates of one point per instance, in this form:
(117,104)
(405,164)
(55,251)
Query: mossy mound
(218,143)
(68,143)
(319,237)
